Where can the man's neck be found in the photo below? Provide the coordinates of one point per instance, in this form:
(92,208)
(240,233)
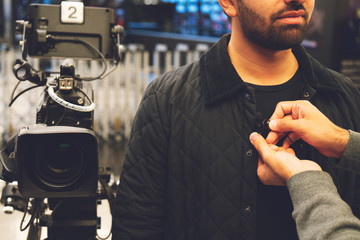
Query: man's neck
(261,66)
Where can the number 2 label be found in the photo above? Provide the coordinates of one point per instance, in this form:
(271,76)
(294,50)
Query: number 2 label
(72,12)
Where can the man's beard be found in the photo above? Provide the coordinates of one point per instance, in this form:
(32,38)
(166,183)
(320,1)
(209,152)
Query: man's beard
(270,36)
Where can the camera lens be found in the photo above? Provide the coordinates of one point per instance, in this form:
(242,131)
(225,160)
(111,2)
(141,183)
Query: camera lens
(59,165)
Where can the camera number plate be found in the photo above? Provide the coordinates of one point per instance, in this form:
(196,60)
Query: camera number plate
(72,12)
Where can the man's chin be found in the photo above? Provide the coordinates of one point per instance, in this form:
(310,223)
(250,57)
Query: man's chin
(283,45)
(287,39)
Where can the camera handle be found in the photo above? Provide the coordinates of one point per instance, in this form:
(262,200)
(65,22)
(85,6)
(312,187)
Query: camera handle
(24,71)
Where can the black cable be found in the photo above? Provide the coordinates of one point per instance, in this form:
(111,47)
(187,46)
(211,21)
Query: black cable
(85,94)
(287,135)
(13,91)
(22,92)
(32,216)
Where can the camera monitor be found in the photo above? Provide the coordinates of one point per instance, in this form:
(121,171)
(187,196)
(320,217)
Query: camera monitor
(70,30)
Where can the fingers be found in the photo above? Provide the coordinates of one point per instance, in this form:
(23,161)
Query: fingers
(277,164)
(260,144)
(266,151)
(267,175)
(282,109)
(288,138)
(286,124)
(274,137)
(291,108)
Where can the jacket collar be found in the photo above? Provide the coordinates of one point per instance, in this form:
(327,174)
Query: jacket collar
(220,81)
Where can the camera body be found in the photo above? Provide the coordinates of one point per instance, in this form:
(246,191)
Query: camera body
(59,157)
(71,91)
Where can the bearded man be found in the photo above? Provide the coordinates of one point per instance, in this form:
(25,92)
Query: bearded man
(190,169)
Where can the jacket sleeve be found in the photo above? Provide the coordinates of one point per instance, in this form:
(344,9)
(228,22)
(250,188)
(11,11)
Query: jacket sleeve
(348,182)
(351,157)
(319,212)
(139,206)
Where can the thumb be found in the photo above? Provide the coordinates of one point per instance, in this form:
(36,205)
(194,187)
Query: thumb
(260,144)
(286,124)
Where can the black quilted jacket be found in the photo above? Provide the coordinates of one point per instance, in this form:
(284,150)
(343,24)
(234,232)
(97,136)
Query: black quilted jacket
(190,170)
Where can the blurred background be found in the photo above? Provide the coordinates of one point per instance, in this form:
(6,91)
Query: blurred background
(159,35)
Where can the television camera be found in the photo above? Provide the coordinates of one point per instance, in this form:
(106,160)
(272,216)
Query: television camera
(57,159)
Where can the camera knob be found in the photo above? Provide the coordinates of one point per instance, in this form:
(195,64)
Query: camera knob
(8,209)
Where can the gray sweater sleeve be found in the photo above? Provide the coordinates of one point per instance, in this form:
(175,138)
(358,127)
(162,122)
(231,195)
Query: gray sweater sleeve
(351,157)
(319,212)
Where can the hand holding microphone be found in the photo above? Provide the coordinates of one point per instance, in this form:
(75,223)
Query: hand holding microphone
(301,119)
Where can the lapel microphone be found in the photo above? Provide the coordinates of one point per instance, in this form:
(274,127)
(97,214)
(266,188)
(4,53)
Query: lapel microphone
(262,127)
